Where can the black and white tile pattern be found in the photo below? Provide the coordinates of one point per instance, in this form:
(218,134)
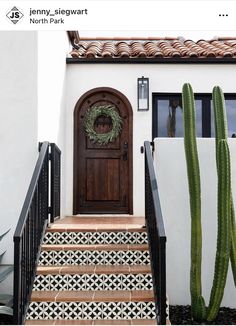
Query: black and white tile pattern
(94,257)
(91,310)
(95,238)
(93,282)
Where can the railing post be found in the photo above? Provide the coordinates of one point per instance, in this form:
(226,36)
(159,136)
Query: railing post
(163,282)
(55,182)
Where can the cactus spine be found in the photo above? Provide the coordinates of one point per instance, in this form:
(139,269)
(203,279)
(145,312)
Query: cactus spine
(223,236)
(197,301)
(222,133)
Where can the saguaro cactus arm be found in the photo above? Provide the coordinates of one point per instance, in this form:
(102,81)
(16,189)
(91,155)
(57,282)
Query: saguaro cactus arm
(223,235)
(221,132)
(197,301)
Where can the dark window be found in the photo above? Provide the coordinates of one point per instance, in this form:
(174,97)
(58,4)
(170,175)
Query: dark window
(168,115)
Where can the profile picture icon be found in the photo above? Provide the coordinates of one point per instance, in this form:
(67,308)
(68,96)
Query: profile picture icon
(15,15)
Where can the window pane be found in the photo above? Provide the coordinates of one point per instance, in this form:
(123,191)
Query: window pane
(231,117)
(212,121)
(162,118)
(170,118)
(198,106)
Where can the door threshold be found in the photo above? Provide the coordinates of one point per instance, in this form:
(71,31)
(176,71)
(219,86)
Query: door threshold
(103,215)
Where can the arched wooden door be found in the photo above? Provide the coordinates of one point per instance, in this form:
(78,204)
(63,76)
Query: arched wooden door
(103,173)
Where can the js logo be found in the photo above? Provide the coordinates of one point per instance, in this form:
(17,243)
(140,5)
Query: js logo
(14,15)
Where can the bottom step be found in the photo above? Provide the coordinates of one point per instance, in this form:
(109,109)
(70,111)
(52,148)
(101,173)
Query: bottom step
(91,310)
(92,322)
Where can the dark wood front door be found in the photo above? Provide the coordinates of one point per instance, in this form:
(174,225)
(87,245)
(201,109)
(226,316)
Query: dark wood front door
(103,173)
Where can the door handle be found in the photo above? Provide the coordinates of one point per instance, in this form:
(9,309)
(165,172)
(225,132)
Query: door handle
(125,156)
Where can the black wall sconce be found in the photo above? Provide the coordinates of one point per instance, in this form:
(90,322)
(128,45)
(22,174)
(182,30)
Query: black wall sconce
(143,94)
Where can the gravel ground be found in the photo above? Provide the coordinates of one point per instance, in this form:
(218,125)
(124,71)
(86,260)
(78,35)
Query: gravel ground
(181,315)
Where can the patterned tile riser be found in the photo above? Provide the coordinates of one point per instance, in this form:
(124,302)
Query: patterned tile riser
(95,238)
(91,310)
(88,257)
(93,282)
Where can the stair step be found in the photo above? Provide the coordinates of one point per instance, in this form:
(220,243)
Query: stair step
(92,269)
(93,322)
(95,228)
(92,296)
(100,223)
(92,305)
(95,257)
(99,247)
(91,310)
(52,236)
(87,282)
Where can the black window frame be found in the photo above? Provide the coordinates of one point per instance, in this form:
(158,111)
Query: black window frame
(206,113)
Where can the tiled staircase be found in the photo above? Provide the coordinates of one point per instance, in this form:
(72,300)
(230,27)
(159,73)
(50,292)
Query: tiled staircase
(93,270)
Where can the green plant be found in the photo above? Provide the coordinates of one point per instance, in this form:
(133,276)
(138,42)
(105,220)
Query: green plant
(90,118)
(8,269)
(226,239)
(197,301)
(223,236)
(222,133)
(6,312)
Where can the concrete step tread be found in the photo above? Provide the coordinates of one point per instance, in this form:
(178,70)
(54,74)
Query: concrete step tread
(99,247)
(92,296)
(94,269)
(98,223)
(93,228)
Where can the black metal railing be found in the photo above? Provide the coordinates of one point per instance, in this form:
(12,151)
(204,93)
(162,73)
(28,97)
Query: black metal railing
(156,236)
(31,226)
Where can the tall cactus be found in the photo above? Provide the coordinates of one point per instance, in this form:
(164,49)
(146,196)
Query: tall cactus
(223,236)
(226,235)
(197,301)
(221,132)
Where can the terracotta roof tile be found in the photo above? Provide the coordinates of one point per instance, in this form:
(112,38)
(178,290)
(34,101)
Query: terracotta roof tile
(151,48)
(109,50)
(231,43)
(137,49)
(123,49)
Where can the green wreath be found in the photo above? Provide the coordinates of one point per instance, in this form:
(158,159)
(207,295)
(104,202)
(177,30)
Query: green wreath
(90,117)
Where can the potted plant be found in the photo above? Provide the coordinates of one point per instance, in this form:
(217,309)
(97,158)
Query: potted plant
(6,311)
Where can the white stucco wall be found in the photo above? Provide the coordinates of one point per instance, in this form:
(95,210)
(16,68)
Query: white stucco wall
(123,77)
(18,130)
(170,164)
(53,47)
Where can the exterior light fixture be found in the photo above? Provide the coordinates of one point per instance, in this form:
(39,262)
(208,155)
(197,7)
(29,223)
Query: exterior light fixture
(143,94)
